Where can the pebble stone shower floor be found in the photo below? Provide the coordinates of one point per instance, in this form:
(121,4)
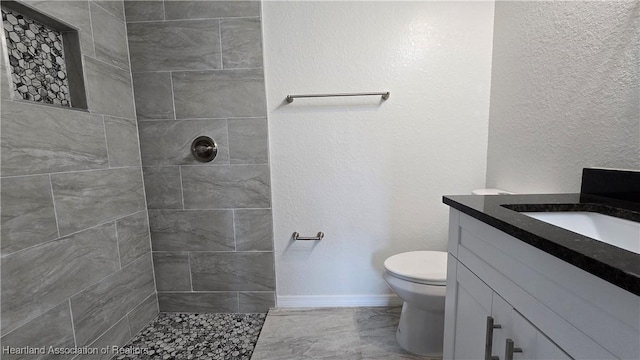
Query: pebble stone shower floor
(198,336)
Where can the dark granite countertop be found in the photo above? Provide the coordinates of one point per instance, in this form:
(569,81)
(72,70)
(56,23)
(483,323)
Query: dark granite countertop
(617,266)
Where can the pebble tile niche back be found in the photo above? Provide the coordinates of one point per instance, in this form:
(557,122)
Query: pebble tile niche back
(41,53)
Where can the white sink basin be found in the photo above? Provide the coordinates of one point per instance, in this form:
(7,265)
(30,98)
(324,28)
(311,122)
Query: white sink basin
(618,232)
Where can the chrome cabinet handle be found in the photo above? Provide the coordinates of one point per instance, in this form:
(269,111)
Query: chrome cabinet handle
(510,349)
(488,344)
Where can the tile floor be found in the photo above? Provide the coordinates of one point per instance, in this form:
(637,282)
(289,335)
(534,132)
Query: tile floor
(331,333)
(325,333)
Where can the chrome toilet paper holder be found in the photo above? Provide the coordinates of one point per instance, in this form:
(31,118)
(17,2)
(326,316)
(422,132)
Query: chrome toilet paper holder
(319,236)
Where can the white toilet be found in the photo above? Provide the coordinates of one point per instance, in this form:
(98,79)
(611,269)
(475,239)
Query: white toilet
(419,279)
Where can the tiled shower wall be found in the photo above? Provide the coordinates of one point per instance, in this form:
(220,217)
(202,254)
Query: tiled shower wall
(197,70)
(76,263)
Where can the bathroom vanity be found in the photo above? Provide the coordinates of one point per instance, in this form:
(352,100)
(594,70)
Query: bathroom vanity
(521,288)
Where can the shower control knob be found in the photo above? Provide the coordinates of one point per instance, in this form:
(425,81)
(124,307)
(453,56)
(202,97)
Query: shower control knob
(204,149)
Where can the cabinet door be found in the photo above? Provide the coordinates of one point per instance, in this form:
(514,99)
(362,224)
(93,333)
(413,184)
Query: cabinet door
(547,349)
(473,305)
(532,343)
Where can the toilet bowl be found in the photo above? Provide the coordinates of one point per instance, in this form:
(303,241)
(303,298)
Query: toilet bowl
(419,279)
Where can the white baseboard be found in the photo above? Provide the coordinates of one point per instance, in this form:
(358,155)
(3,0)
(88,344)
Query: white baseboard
(303,301)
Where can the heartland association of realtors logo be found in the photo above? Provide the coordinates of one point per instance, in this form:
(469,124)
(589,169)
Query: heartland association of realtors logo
(85,350)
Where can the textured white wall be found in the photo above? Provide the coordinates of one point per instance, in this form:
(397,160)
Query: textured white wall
(564,93)
(370,174)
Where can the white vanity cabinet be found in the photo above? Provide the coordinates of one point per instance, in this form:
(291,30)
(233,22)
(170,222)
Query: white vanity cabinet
(485,321)
(541,305)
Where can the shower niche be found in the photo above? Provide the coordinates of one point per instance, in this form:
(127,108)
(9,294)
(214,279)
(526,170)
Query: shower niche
(43,57)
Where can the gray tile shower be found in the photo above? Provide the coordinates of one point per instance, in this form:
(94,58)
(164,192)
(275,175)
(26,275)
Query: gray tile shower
(197,70)
(107,218)
(76,255)
(175,45)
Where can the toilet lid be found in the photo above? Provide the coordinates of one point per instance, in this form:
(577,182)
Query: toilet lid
(425,267)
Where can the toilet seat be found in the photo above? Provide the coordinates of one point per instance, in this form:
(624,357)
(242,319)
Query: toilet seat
(422,267)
